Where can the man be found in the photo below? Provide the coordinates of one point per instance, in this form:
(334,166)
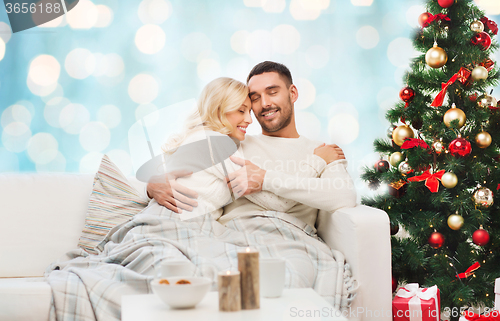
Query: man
(277,160)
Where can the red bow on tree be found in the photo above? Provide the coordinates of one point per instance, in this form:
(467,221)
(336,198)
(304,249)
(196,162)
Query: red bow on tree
(498,187)
(469,271)
(431,180)
(414,142)
(432,18)
(438,101)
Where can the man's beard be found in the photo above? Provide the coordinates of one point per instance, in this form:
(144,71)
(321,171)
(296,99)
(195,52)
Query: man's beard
(284,120)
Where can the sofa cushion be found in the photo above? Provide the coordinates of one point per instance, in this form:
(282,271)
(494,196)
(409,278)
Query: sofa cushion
(113,201)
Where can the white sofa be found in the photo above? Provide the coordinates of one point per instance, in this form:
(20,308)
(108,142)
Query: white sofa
(42,216)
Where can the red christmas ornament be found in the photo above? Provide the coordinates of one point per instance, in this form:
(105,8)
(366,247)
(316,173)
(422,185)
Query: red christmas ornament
(460,147)
(436,240)
(423,18)
(482,40)
(481,237)
(490,25)
(394,283)
(445,3)
(406,94)
(382,166)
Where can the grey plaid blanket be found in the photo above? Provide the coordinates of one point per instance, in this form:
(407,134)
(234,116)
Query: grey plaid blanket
(90,287)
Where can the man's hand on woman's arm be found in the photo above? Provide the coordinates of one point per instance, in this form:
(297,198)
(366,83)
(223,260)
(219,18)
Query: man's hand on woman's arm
(167,192)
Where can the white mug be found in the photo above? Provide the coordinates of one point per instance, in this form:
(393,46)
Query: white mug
(272,277)
(176,268)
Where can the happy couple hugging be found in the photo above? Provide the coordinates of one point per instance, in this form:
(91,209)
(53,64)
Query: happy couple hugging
(278,170)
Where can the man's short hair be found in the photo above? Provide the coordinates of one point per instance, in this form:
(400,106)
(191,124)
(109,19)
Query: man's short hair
(270,66)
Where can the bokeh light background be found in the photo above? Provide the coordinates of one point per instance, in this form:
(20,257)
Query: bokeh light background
(71,88)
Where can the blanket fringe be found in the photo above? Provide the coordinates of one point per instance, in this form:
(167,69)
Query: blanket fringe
(350,287)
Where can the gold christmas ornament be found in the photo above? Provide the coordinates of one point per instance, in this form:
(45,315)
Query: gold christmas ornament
(479,72)
(483,197)
(452,114)
(436,57)
(483,139)
(455,221)
(477,26)
(449,180)
(438,147)
(396,158)
(404,168)
(487,101)
(401,133)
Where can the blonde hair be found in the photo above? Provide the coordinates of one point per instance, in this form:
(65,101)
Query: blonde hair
(218,97)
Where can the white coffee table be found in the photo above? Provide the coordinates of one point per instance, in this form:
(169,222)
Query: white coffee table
(294,304)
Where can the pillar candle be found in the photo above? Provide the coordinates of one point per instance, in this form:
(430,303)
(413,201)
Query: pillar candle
(248,265)
(229,291)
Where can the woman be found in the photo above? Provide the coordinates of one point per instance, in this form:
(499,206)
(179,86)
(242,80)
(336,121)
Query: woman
(223,108)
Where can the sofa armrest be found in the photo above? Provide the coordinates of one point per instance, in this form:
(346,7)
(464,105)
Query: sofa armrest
(25,299)
(362,234)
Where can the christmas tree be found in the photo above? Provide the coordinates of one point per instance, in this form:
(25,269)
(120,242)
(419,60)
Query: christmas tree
(443,150)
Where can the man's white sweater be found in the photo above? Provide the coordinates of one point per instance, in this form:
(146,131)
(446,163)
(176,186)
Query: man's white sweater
(296,174)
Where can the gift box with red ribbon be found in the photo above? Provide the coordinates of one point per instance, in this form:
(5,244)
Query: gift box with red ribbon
(488,64)
(464,76)
(497,294)
(397,189)
(413,303)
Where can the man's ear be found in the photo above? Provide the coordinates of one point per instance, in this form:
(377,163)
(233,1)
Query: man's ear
(294,93)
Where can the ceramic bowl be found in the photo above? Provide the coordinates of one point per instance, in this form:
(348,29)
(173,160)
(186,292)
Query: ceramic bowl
(182,296)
